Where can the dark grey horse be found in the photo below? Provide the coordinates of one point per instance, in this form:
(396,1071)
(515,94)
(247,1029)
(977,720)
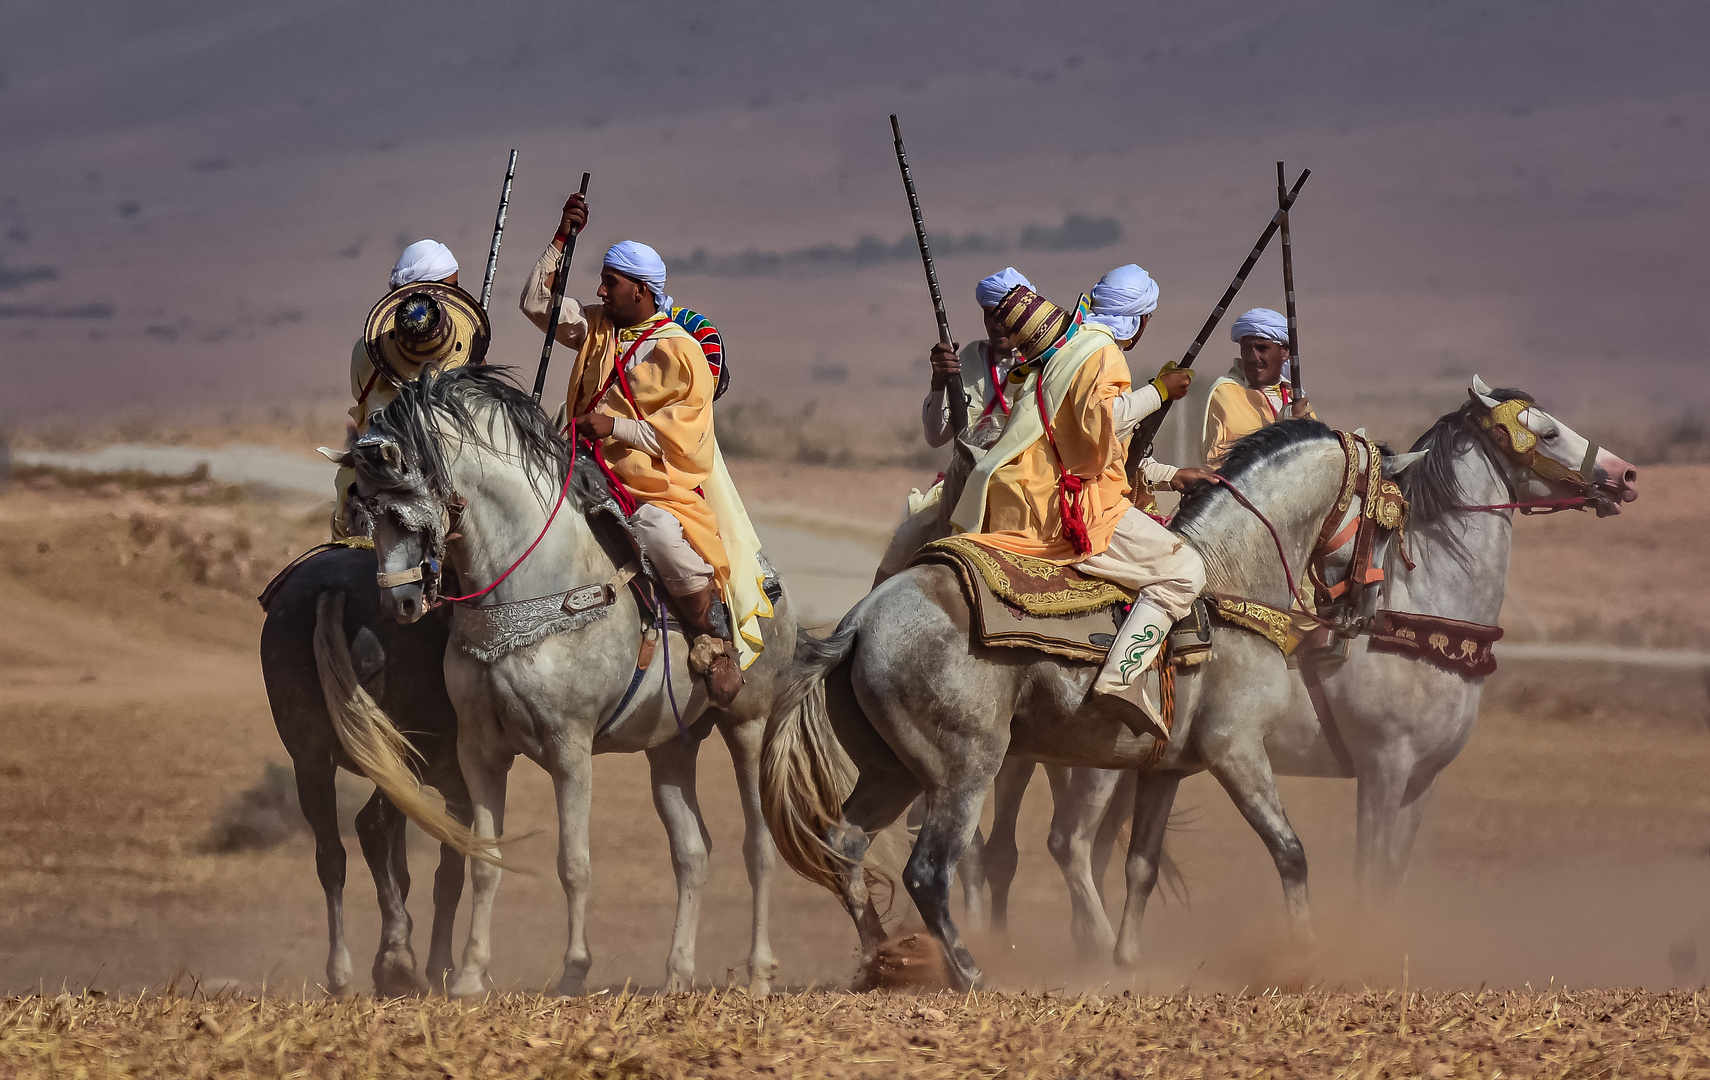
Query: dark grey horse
(333,597)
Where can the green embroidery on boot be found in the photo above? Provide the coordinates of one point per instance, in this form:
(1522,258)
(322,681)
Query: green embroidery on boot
(1145,641)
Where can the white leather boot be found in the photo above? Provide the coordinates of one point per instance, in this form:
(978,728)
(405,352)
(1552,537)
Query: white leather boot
(1127,680)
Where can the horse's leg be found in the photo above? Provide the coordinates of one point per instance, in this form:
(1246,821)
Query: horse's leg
(380,830)
(1001,855)
(1154,795)
(1119,812)
(878,799)
(1080,798)
(672,768)
(317,796)
(486,768)
(447,884)
(572,770)
(1245,773)
(758,852)
(952,814)
(1390,812)
(971,872)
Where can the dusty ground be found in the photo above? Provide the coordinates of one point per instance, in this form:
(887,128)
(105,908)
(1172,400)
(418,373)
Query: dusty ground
(1568,842)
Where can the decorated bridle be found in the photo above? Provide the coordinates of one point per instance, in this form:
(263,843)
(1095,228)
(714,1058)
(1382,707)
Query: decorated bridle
(1508,434)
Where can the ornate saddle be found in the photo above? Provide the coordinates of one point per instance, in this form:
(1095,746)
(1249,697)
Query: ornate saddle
(1020,602)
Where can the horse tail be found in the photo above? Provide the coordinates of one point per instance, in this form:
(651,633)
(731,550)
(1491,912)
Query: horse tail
(373,742)
(804,773)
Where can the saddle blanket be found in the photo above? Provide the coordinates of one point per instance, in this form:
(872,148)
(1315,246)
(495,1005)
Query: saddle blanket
(1463,648)
(1022,602)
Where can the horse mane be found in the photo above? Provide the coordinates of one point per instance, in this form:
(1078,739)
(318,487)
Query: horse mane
(463,401)
(1246,454)
(1430,484)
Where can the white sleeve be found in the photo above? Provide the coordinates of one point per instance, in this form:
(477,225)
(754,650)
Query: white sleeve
(1156,474)
(536,302)
(637,433)
(935,418)
(1129,409)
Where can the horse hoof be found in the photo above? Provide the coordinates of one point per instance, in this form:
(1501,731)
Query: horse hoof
(468,985)
(395,976)
(760,979)
(571,986)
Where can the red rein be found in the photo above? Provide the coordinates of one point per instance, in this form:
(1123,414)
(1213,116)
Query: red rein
(563,493)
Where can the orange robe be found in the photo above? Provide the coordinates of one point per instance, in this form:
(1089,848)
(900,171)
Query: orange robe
(673,386)
(1234,411)
(1023,510)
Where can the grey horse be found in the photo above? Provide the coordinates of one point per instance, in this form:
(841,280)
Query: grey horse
(921,708)
(324,636)
(572,682)
(1403,720)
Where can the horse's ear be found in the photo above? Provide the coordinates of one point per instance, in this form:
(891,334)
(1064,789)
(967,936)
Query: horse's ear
(392,455)
(344,459)
(1482,392)
(1396,464)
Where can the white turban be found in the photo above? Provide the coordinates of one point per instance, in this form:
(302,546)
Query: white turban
(991,291)
(1122,298)
(644,265)
(424,260)
(1260,322)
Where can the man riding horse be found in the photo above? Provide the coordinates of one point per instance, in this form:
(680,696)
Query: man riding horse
(983,365)
(1055,486)
(641,391)
(1257,391)
(399,339)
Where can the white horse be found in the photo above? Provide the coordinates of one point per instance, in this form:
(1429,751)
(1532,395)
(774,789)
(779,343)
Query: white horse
(558,662)
(1402,719)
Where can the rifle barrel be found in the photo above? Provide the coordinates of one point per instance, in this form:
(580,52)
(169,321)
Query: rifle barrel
(557,306)
(954,390)
(498,232)
(1147,431)
(1288,281)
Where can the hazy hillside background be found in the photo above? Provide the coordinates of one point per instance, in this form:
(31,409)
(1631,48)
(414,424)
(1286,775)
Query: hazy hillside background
(199,201)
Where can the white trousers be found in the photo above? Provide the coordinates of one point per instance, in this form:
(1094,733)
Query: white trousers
(681,568)
(1144,555)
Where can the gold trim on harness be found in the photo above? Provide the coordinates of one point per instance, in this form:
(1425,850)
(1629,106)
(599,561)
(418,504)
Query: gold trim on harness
(1272,623)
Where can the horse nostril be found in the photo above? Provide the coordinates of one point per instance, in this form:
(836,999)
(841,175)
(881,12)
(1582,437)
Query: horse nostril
(1630,477)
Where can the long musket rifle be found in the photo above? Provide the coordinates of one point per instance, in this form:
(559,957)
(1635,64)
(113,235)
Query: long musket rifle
(1147,431)
(498,232)
(1288,284)
(954,391)
(557,305)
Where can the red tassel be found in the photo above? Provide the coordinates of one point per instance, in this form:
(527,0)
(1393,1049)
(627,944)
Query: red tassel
(1074,513)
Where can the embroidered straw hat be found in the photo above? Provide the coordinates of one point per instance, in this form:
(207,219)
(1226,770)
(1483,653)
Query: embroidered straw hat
(425,322)
(1032,323)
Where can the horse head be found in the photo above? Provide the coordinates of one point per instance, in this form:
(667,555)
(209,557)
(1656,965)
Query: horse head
(1546,459)
(395,503)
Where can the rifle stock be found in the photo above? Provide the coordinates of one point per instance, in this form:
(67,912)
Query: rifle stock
(1146,432)
(955,393)
(498,232)
(1288,282)
(557,306)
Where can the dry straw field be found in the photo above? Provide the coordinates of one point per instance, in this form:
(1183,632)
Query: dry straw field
(727,1035)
